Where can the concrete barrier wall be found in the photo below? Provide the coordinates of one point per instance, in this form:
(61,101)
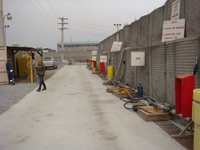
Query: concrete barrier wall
(164,61)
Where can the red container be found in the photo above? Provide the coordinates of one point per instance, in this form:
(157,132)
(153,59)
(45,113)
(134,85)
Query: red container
(95,64)
(87,61)
(102,67)
(70,62)
(184,86)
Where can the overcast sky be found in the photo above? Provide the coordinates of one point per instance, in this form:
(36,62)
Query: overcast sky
(35,22)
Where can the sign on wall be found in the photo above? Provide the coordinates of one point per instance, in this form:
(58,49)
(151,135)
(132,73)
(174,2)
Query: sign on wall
(175,14)
(173,30)
(94,58)
(116,46)
(137,58)
(94,52)
(103,59)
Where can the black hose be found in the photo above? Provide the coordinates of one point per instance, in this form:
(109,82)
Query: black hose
(196,67)
(136,107)
(169,109)
(109,91)
(122,99)
(145,98)
(128,103)
(124,62)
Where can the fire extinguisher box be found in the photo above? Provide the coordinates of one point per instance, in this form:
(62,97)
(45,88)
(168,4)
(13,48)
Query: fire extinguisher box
(184,86)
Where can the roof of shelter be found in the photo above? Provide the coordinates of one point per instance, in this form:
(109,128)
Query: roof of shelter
(22,48)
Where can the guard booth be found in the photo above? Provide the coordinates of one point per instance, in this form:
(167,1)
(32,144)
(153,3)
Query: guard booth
(12,51)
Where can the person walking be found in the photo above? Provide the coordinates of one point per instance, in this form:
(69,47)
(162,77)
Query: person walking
(41,73)
(10,71)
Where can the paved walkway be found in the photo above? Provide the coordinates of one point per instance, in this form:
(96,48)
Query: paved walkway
(76,113)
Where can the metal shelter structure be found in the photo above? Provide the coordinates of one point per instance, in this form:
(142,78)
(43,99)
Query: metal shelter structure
(29,50)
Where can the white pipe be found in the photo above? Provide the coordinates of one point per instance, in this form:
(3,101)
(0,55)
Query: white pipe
(127,48)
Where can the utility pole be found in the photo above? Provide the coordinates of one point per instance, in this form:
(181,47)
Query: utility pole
(62,30)
(2,43)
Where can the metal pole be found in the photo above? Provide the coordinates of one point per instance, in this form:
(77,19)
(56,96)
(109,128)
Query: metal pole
(62,38)
(117,25)
(2,40)
(31,67)
(70,61)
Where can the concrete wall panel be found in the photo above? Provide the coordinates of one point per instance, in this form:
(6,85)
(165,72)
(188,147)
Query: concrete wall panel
(144,31)
(134,35)
(157,25)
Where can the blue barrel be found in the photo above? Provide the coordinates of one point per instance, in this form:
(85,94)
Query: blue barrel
(140,90)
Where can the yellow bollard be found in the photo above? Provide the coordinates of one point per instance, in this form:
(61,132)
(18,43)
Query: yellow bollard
(196,118)
(110,71)
(98,65)
(93,69)
(92,64)
(90,58)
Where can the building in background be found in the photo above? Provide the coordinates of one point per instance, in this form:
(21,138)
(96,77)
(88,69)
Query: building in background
(78,46)
(45,50)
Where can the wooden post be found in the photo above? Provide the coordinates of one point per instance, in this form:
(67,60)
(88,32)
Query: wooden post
(42,55)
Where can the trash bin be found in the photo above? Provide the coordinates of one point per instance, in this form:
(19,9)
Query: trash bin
(102,67)
(196,118)
(110,71)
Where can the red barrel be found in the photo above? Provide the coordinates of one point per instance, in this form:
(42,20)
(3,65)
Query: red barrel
(70,62)
(95,64)
(87,61)
(102,67)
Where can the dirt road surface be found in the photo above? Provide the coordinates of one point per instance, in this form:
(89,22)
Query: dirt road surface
(76,113)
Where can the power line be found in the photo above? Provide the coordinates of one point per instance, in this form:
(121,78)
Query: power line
(41,14)
(51,8)
(46,11)
(90,28)
(86,33)
(90,23)
(62,14)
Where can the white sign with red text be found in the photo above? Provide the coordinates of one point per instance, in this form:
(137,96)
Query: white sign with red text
(116,46)
(137,58)
(175,14)
(173,30)
(103,59)
(94,58)
(94,52)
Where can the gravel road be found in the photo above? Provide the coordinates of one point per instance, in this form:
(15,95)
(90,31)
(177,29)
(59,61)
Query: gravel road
(11,94)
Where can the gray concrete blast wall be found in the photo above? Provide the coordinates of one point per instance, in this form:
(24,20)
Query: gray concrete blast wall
(164,61)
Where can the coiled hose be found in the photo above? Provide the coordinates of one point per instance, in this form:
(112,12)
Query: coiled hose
(136,100)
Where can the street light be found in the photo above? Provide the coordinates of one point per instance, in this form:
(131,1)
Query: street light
(6,26)
(9,17)
(117,25)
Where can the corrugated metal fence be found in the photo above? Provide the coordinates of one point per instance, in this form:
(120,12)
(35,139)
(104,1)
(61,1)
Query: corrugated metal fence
(163,63)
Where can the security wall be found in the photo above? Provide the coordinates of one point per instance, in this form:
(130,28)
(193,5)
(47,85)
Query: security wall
(164,61)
